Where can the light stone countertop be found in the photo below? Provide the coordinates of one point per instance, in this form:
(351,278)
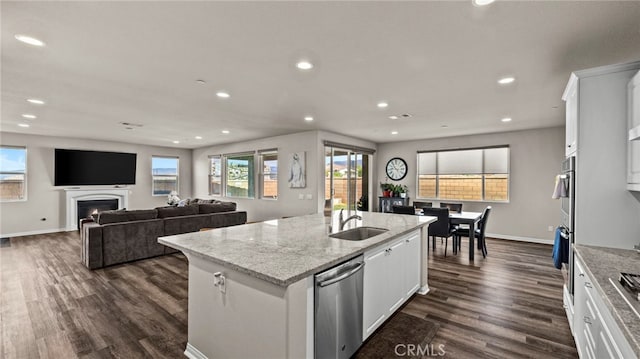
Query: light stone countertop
(603,263)
(284,251)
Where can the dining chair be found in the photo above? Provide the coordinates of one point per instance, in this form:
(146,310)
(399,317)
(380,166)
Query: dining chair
(403,210)
(417,204)
(453,207)
(479,232)
(441,227)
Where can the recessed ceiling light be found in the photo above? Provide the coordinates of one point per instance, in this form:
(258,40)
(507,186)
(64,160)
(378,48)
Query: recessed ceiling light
(176,142)
(198,137)
(394,132)
(482,2)
(201,82)
(223,94)
(393,117)
(23,125)
(308,118)
(506,80)
(226,132)
(383,105)
(304,65)
(35,101)
(28,115)
(506,119)
(29,40)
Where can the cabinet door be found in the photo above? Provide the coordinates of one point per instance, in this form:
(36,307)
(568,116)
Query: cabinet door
(374,292)
(385,204)
(571,131)
(395,267)
(411,250)
(633,175)
(579,308)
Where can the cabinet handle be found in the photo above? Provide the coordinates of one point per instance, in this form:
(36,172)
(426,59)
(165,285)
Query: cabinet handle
(587,320)
(581,275)
(587,284)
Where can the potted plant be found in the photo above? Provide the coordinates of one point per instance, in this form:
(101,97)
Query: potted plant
(386,188)
(403,189)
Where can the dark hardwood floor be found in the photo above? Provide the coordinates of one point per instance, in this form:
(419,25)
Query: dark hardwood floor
(508,305)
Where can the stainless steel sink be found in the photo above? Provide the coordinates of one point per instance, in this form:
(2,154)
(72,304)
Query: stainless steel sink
(358,234)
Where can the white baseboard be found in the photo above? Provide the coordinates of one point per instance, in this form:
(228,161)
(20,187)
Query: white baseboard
(424,290)
(31,233)
(521,239)
(192,353)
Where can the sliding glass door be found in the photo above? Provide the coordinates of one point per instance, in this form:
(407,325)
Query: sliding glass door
(346,180)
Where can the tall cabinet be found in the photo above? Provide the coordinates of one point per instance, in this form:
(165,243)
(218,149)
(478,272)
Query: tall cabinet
(597,128)
(633,169)
(601,117)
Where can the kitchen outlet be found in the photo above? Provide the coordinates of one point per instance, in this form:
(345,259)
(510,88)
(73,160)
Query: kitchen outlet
(309,196)
(301,196)
(550,228)
(220,281)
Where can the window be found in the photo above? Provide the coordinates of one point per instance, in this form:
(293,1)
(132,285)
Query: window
(240,175)
(471,175)
(215,175)
(164,171)
(13,173)
(269,175)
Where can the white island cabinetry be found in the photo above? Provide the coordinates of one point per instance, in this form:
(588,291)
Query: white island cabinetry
(251,287)
(391,276)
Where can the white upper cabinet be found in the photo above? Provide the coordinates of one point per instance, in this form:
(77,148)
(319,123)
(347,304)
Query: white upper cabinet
(633,159)
(571,132)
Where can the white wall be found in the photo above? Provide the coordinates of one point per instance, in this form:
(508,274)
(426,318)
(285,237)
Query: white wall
(44,200)
(536,156)
(288,202)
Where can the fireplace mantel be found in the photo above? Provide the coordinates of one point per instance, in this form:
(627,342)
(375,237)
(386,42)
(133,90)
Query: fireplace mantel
(73,195)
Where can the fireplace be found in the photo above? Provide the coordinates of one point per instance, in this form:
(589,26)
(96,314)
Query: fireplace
(75,196)
(89,207)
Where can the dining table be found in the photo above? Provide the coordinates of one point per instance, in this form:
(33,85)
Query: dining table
(469,218)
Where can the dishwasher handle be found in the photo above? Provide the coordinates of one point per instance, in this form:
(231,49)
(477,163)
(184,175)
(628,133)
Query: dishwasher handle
(341,276)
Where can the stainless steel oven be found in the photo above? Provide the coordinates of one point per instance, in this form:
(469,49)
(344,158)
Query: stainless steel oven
(568,176)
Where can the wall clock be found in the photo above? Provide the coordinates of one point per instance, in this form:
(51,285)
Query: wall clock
(396,168)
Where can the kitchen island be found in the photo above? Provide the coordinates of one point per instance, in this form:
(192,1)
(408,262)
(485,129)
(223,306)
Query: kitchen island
(251,287)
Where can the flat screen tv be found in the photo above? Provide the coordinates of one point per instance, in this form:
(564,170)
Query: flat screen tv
(78,168)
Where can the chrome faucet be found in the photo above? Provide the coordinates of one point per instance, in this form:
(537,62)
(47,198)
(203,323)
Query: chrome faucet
(343,222)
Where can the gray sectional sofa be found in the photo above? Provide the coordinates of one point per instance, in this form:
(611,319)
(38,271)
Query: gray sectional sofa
(120,236)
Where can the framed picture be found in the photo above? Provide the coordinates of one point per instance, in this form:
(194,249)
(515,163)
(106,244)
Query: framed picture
(297,172)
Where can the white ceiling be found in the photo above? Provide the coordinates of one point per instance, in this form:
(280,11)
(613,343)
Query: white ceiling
(111,62)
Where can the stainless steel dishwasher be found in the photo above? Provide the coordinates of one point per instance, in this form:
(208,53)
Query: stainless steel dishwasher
(338,310)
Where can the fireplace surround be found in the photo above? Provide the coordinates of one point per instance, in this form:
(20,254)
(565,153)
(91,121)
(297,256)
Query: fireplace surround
(73,195)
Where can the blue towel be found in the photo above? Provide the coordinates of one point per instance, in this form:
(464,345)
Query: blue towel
(560,249)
